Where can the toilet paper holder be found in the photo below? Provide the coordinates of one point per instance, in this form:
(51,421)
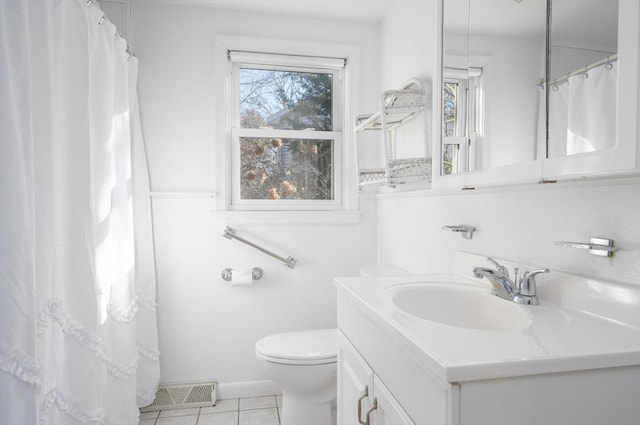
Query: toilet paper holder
(256,274)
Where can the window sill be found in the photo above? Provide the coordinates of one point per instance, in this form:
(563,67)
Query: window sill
(289,218)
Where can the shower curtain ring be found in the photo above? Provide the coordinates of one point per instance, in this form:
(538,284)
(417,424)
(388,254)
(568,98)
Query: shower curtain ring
(101,21)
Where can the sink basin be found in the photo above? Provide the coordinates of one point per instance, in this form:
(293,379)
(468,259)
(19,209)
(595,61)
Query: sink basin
(459,305)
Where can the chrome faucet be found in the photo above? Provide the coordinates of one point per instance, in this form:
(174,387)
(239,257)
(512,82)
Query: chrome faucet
(521,290)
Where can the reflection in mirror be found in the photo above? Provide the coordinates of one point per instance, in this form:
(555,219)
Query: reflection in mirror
(583,76)
(454,89)
(493,59)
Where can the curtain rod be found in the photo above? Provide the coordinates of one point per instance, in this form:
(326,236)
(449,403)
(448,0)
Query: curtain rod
(564,78)
(104,17)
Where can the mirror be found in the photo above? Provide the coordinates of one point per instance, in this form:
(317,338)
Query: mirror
(493,62)
(494,97)
(583,77)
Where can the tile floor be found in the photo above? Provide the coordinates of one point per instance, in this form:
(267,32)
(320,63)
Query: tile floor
(243,411)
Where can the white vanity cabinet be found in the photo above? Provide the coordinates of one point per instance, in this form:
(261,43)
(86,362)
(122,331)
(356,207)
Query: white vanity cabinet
(586,370)
(359,387)
(387,410)
(355,381)
(405,392)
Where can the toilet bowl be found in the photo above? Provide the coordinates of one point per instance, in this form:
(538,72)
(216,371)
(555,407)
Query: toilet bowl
(304,365)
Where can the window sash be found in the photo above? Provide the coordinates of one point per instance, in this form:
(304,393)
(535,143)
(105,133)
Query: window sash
(460,128)
(461,153)
(337,91)
(237,203)
(286,61)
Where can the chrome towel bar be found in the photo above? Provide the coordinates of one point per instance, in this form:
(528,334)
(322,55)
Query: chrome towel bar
(597,246)
(230,233)
(464,229)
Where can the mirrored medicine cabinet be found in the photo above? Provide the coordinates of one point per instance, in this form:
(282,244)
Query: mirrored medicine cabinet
(536,90)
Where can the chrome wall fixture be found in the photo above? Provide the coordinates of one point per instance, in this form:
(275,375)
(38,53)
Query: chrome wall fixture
(600,247)
(256,274)
(230,233)
(464,229)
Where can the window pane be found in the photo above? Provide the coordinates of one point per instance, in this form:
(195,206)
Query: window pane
(299,169)
(450,159)
(286,100)
(450,109)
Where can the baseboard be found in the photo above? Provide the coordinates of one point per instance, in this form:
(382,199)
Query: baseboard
(226,390)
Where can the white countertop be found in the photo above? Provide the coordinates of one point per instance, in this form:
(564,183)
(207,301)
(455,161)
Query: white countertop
(594,333)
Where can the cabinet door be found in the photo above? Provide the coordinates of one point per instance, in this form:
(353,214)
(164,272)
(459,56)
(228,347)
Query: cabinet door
(622,157)
(387,410)
(354,381)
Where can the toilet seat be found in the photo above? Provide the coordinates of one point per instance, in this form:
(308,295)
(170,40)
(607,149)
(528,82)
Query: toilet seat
(299,348)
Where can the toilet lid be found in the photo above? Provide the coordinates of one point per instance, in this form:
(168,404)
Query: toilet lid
(306,347)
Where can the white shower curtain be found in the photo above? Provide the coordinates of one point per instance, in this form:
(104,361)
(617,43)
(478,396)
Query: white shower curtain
(582,112)
(78,337)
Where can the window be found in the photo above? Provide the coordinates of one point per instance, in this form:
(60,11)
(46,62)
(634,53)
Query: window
(286,132)
(462,110)
(454,131)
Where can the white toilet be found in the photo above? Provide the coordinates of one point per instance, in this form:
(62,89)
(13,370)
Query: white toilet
(304,364)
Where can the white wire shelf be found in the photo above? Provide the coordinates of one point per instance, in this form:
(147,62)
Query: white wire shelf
(396,108)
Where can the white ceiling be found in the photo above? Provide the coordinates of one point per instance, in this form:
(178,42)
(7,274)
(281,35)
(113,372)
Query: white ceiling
(575,22)
(590,22)
(525,18)
(359,10)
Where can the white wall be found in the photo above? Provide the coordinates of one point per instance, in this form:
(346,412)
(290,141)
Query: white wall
(118,12)
(407,43)
(407,52)
(208,329)
(518,223)
(511,68)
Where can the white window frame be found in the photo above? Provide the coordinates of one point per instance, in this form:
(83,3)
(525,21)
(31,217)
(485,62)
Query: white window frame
(460,137)
(470,117)
(276,62)
(349,212)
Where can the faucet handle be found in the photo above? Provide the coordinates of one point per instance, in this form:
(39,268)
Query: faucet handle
(499,267)
(527,284)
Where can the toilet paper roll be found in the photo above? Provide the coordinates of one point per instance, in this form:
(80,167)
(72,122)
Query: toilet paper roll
(242,277)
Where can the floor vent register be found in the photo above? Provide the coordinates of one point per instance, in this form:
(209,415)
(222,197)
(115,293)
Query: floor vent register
(183,396)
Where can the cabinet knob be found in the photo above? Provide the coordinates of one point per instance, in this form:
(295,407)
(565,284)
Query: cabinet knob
(364,394)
